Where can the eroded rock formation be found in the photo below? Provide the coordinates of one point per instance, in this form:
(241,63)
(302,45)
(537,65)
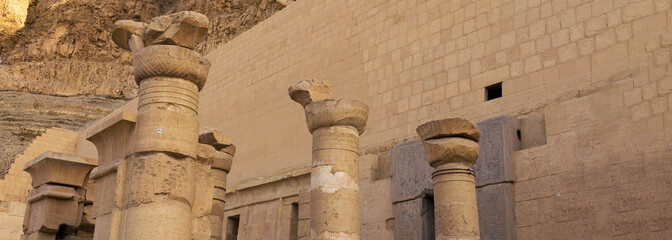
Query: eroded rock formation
(65,49)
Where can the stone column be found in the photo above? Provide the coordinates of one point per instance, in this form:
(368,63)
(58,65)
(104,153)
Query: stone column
(334,177)
(114,142)
(159,189)
(57,201)
(452,149)
(221,166)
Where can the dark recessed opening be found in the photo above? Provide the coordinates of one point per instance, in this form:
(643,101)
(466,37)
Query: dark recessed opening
(518,134)
(294,222)
(233,223)
(493,91)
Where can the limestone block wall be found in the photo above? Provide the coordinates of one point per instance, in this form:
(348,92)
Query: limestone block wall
(16,186)
(597,71)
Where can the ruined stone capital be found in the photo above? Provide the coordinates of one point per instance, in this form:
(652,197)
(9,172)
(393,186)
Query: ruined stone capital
(57,201)
(328,112)
(307,91)
(164,47)
(452,149)
(450,141)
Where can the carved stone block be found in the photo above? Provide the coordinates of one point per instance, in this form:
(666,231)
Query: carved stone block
(495,211)
(411,175)
(498,141)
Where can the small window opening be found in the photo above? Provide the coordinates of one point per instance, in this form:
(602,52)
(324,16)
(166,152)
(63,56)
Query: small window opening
(232,225)
(294,222)
(518,134)
(493,91)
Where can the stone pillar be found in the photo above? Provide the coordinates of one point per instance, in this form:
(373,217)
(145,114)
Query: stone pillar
(334,182)
(452,149)
(159,190)
(221,166)
(114,142)
(57,201)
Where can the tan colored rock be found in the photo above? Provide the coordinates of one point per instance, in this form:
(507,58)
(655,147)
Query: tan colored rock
(451,127)
(452,149)
(307,91)
(334,190)
(170,61)
(57,201)
(328,112)
(215,138)
(124,30)
(169,185)
(185,29)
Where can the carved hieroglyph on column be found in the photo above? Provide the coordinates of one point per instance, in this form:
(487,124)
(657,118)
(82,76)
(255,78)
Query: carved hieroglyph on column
(221,165)
(452,149)
(56,204)
(159,192)
(334,177)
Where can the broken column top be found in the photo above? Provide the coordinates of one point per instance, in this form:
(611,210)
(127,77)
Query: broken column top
(307,91)
(329,112)
(217,139)
(58,168)
(450,143)
(185,29)
(450,127)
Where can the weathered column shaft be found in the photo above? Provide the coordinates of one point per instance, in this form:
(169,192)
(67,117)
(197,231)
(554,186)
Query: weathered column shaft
(452,148)
(455,207)
(334,190)
(159,200)
(160,182)
(334,177)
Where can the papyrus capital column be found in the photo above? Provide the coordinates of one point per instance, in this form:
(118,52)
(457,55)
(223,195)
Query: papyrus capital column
(159,194)
(334,178)
(57,201)
(452,149)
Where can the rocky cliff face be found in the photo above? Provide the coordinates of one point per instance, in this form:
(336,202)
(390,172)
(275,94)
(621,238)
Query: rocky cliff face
(63,47)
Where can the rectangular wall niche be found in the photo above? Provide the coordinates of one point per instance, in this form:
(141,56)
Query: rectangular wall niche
(493,91)
(232,224)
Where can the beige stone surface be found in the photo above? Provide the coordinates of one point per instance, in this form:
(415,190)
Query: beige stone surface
(334,176)
(603,88)
(452,149)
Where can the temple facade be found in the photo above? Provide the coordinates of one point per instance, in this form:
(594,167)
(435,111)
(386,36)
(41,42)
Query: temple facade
(522,119)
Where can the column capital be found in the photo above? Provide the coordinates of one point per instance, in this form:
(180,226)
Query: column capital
(308,91)
(450,141)
(58,168)
(329,112)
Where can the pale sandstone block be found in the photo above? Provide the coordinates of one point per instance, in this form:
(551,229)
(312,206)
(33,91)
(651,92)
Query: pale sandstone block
(632,97)
(568,18)
(649,91)
(596,25)
(637,10)
(661,56)
(659,105)
(185,29)
(604,40)
(560,38)
(586,46)
(640,111)
(623,32)
(533,64)
(567,52)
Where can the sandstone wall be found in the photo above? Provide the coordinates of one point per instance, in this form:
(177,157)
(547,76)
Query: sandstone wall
(598,71)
